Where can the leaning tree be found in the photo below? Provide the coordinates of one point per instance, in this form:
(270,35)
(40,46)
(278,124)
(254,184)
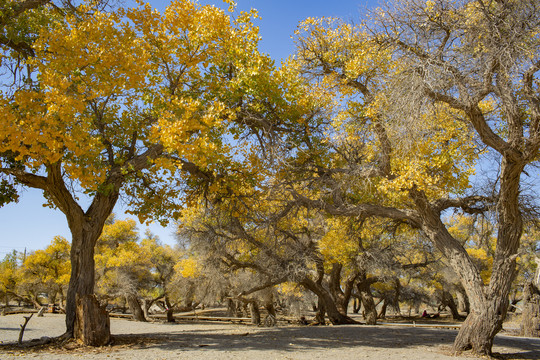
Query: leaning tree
(424,92)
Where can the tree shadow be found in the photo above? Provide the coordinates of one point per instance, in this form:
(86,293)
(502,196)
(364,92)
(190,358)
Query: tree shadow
(299,339)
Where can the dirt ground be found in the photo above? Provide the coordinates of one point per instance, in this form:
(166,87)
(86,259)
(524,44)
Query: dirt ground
(135,340)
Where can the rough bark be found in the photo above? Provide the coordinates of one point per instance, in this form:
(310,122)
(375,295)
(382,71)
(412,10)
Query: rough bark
(530,323)
(335,317)
(463,301)
(271,317)
(364,289)
(448,301)
(370,310)
(342,297)
(92,324)
(231,308)
(255,312)
(489,304)
(135,307)
(320,315)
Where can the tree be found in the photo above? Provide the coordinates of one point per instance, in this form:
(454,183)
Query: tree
(170,81)
(48,270)
(122,266)
(8,276)
(423,82)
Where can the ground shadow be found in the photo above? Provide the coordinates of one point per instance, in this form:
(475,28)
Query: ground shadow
(298,339)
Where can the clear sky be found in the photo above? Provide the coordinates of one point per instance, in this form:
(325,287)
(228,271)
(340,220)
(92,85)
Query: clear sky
(27,224)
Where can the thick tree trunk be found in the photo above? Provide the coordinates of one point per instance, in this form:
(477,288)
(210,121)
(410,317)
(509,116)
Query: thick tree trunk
(332,311)
(370,310)
(448,301)
(81,283)
(320,315)
(271,318)
(463,301)
(397,295)
(92,324)
(255,313)
(85,230)
(481,326)
(135,307)
(530,323)
(488,303)
(341,297)
(170,310)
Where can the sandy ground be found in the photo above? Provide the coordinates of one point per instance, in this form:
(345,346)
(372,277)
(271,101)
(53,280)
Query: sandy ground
(154,341)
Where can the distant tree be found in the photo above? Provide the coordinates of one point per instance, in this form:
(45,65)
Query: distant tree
(9,277)
(48,270)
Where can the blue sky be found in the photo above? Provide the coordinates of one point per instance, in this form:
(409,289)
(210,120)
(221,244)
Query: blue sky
(27,224)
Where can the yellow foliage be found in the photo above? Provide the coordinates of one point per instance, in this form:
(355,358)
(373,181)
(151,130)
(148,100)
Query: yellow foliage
(337,245)
(188,268)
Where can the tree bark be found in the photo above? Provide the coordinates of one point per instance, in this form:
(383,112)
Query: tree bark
(448,301)
(463,300)
(255,312)
(489,304)
(135,307)
(530,323)
(320,315)
(335,317)
(382,313)
(92,324)
(370,310)
(85,230)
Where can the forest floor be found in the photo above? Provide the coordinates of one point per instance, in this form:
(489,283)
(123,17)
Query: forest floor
(209,340)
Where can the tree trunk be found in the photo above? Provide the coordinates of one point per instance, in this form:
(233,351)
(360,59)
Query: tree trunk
(489,304)
(356,305)
(382,313)
(341,297)
(463,301)
(370,310)
(85,230)
(92,324)
(81,283)
(397,295)
(231,308)
(135,307)
(530,323)
(255,313)
(335,317)
(320,315)
(448,301)
(271,318)
(146,304)
(170,310)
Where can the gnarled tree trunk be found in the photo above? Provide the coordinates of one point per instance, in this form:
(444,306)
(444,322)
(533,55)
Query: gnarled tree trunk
(370,310)
(85,230)
(135,307)
(530,323)
(332,311)
(92,324)
(447,300)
